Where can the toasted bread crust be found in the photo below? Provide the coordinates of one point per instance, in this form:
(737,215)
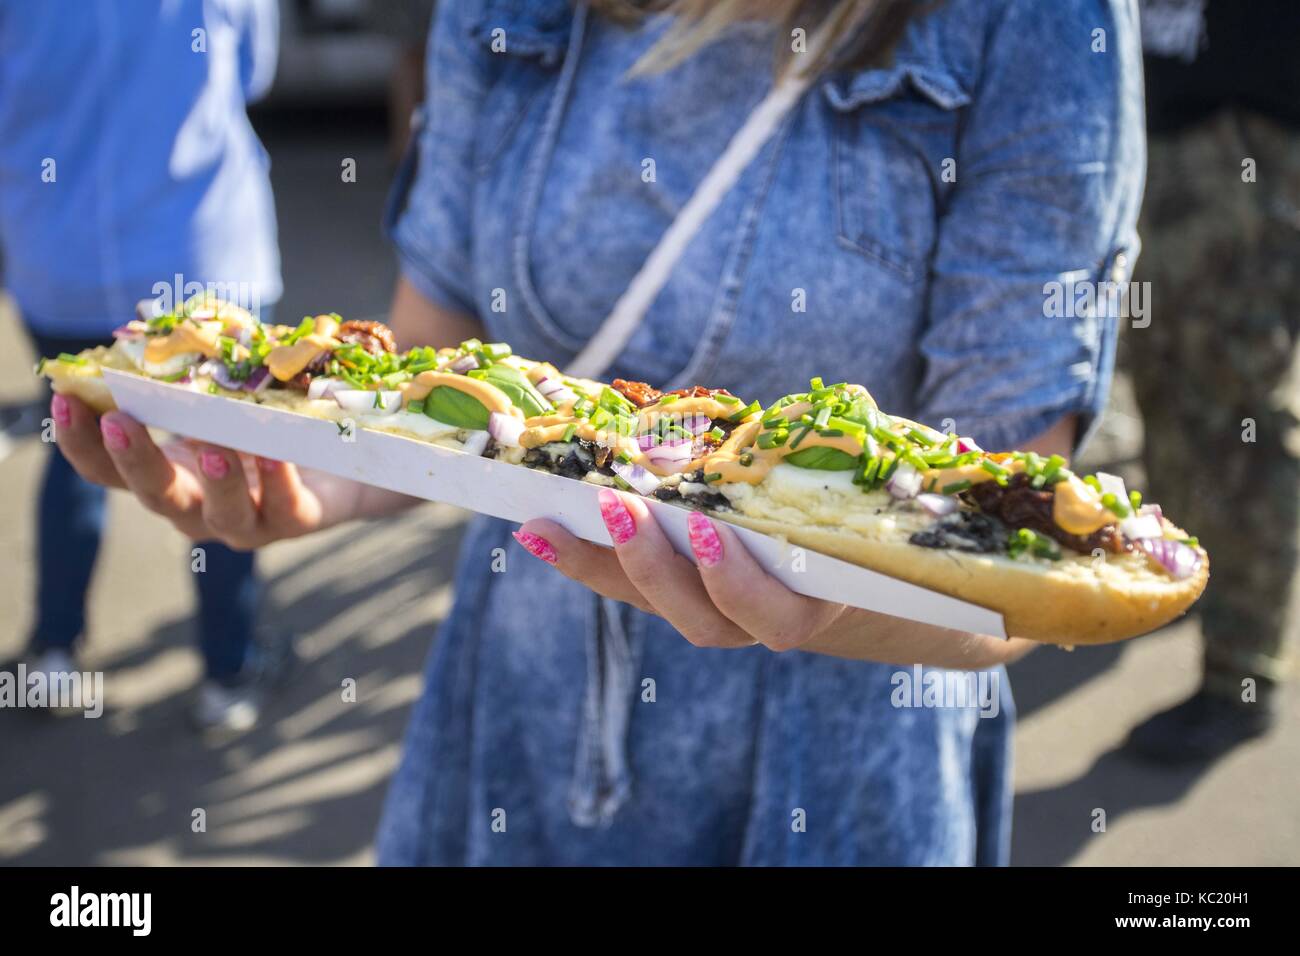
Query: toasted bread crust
(1079,600)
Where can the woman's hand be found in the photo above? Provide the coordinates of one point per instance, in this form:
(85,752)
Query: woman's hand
(726,600)
(208,492)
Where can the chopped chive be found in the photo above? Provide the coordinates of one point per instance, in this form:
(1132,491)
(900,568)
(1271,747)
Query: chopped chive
(816,384)
(717,432)
(745,412)
(1114,505)
(1135,499)
(570,431)
(957,486)
(712,476)
(803,433)
(727,399)
(416,406)
(667,399)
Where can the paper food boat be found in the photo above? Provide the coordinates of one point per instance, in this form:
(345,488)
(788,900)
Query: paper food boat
(506,491)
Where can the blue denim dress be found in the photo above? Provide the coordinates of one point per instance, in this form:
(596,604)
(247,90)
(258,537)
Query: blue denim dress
(900,230)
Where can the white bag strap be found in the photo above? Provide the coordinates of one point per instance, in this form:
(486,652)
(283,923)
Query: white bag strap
(624,319)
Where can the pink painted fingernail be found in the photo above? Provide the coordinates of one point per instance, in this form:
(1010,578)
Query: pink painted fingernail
(214,465)
(619,521)
(536,545)
(61,410)
(704,539)
(268,465)
(114,435)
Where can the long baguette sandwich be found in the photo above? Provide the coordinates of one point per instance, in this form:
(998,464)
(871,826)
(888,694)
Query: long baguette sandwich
(1065,558)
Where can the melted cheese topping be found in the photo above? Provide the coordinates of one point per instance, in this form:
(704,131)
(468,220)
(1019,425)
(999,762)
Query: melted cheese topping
(287,361)
(1077,507)
(187,338)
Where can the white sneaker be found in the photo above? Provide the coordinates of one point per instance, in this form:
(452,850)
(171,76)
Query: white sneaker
(226,709)
(52,664)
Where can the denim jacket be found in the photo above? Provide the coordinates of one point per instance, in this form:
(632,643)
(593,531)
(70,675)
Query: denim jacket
(903,229)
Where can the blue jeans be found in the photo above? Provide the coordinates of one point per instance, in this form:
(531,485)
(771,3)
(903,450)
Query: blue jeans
(69,526)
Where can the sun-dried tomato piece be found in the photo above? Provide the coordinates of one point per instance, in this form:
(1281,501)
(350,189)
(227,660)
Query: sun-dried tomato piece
(698,391)
(374,337)
(638,393)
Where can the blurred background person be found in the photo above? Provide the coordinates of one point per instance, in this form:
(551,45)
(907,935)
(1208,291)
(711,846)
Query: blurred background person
(1217,371)
(127,161)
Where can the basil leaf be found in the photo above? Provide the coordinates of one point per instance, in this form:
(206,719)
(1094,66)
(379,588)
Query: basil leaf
(822,458)
(518,389)
(454,407)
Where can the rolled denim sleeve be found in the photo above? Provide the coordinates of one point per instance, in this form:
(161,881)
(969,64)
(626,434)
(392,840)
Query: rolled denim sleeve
(431,205)
(1050,169)
(259,48)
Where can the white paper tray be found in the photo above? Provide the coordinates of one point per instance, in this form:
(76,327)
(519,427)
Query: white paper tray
(505,491)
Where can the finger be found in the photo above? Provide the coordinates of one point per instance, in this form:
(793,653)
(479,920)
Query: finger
(161,487)
(667,580)
(228,508)
(287,507)
(76,432)
(757,602)
(584,562)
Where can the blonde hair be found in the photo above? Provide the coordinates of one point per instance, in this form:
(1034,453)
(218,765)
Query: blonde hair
(863,33)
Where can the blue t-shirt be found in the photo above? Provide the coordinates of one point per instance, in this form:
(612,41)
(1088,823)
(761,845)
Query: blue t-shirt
(128,166)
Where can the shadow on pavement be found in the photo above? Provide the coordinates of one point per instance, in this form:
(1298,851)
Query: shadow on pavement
(305,786)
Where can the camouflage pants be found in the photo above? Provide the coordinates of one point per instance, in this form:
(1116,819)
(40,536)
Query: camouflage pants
(1217,373)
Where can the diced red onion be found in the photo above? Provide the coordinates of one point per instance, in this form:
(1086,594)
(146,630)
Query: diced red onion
(1179,559)
(464,364)
(506,429)
(258,381)
(127,333)
(937,505)
(697,424)
(1152,509)
(1113,484)
(555,391)
(324,387)
(1141,526)
(361,401)
(905,482)
(221,375)
(147,309)
(643,481)
(475,443)
(670,454)
(965,444)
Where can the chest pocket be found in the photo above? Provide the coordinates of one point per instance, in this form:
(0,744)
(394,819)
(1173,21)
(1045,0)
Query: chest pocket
(894,160)
(527,41)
